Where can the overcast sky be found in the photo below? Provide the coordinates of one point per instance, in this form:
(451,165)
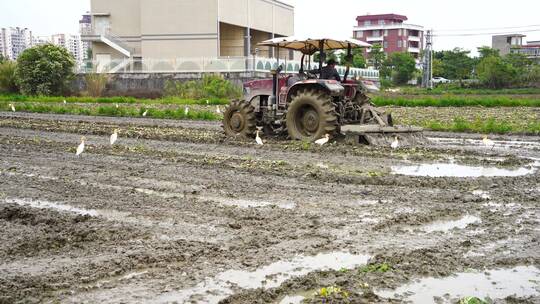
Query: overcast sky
(326,17)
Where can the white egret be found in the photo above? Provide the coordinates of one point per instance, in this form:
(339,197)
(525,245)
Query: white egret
(186,111)
(207,102)
(114,137)
(323,140)
(80,148)
(488,142)
(395,143)
(258,139)
(117,106)
(145,113)
(65,101)
(12,107)
(218,110)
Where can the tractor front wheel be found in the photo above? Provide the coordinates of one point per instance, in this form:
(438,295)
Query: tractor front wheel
(311,115)
(239,120)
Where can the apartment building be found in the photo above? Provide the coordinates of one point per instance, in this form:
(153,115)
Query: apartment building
(85,29)
(506,43)
(170,29)
(13,41)
(391,32)
(72,43)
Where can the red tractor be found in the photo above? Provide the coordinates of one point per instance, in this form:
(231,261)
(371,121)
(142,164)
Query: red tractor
(308,107)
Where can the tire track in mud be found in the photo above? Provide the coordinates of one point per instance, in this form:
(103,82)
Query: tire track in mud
(334,210)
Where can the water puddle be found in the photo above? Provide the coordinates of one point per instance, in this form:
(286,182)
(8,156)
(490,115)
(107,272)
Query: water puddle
(292,300)
(51,205)
(454,170)
(245,203)
(482,194)
(445,226)
(521,281)
(215,289)
(504,144)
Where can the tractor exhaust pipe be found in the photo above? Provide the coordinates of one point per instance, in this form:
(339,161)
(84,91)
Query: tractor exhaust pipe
(275,79)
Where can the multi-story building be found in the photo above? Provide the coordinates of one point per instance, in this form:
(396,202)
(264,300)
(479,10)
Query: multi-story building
(171,29)
(85,29)
(391,32)
(531,50)
(506,43)
(14,41)
(72,43)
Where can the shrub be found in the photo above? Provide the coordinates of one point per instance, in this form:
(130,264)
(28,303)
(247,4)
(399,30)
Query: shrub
(494,73)
(7,77)
(210,86)
(44,70)
(95,84)
(402,67)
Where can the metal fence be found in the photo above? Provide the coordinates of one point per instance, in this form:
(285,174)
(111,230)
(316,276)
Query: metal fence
(207,65)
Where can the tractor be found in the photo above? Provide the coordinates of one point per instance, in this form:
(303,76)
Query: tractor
(307,107)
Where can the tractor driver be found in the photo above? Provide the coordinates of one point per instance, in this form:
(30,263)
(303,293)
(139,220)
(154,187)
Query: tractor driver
(329,71)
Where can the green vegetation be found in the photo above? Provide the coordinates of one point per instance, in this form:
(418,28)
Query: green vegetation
(456,101)
(8,82)
(44,70)
(210,86)
(96,84)
(332,293)
(480,125)
(401,67)
(113,100)
(384,267)
(473,300)
(454,89)
(112,111)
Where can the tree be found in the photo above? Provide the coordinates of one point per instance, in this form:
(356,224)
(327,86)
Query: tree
(358,58)
(402,67)
(329,55)
(376,56)
(518,61)
(456,64)
(2,58)
(486,51)
(438,70)
(44,70)
(7,77)
(494,73)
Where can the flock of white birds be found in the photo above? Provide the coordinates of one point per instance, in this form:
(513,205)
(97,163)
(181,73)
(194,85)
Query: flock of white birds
(322,141)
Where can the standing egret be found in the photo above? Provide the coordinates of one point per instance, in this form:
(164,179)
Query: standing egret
(80,148)
(258,139)
(488,142)
(65,101)
(145,113)
(114,137)
(186,111)
(218,110)
(395,143)
(207,102)
(117,106)
(323,140)
(12,107)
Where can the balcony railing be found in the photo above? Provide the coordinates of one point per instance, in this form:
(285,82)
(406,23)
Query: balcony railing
(207,65)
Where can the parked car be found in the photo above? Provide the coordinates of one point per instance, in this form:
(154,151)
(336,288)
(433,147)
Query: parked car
(439,80)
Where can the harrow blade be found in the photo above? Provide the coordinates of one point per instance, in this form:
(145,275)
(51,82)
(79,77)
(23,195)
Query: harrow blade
(375,135)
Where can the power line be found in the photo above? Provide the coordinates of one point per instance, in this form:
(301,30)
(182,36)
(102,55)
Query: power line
(484,34)
(487,29)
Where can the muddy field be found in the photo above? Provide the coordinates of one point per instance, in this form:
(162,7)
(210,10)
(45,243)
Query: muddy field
(177,213)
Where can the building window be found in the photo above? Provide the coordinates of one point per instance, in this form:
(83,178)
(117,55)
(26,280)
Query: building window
(359,34)
(400,32)
(385,44)
(399,44)
(367,23)
(376,33)
(386,32)
(381,22)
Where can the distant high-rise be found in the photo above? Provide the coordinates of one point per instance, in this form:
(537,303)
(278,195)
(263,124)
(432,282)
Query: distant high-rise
(72,43)
(14,40)
(85,29)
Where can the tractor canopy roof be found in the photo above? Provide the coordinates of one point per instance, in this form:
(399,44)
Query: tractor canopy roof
(309,46)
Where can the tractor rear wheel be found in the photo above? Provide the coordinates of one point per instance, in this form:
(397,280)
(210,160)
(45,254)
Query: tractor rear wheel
(311,115)
(239,119)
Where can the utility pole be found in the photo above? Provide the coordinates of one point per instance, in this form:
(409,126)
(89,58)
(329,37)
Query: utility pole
(427,79)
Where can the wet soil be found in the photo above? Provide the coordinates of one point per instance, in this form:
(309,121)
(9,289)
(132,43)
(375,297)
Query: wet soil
(177,212)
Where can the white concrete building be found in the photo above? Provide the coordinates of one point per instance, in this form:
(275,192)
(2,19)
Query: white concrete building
(14,41)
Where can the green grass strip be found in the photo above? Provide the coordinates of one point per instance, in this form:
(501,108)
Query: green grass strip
(456,101)
(112,111)
(112,100)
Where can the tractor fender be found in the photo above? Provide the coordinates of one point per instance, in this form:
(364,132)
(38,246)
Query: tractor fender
(331,87)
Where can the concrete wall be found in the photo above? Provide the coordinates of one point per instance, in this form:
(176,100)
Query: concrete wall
(152,84)
(231,40)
